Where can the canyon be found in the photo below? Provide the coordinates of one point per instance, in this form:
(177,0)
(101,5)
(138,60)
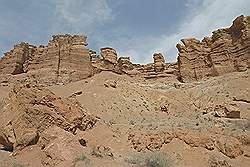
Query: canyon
(64,105)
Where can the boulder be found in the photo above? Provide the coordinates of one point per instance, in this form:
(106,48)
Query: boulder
(199,140)
(227,111)
(149,141)
(229,146)
(59,147)
(109,54)
(232,111)
(110,83)
(32,110)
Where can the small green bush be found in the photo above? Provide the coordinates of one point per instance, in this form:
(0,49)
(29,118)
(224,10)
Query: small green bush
(81,157)
(18,165)
(154,159)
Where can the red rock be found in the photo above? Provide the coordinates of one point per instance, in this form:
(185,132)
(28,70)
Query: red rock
(65,59)
(31,110)
(230,146)
(226,51)
(109,54)
(159,62)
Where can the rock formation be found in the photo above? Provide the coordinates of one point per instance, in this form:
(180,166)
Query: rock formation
(159,62)
(31,110)
(65,59)
(15,61)
(226,51)
(106,61)
(109,54)
(126,110)
(125,65)
(229,146)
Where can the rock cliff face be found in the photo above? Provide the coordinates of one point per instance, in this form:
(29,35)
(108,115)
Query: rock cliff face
(115,120)
(15,61)
(226,51)
(65,59)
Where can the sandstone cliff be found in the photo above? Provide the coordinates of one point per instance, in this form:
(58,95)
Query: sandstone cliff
(65,59)
(15,61)
(226,51)
(126,111)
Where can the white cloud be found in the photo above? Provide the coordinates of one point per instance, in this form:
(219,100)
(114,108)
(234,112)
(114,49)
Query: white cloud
(138,49)
(76,16)
(203,17)
(88,16)
(202,20)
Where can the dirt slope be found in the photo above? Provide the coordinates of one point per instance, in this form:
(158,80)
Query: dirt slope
(170,123)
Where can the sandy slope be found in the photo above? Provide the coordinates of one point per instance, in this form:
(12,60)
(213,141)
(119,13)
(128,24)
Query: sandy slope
(135,116)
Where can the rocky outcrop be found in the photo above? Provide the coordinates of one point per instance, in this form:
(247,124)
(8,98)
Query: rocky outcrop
(226,51)
(230,146)
(227,145)
(53,143)
(150,141)
(109,54)
(107,61)
(15,61)
(30,110)
(159,62)
(125,65)
(65,59)
(157,69)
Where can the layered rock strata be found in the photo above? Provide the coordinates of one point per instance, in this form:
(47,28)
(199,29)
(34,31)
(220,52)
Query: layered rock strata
(65,59)
(226,51)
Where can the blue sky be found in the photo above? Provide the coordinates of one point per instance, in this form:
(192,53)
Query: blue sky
(135,28)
